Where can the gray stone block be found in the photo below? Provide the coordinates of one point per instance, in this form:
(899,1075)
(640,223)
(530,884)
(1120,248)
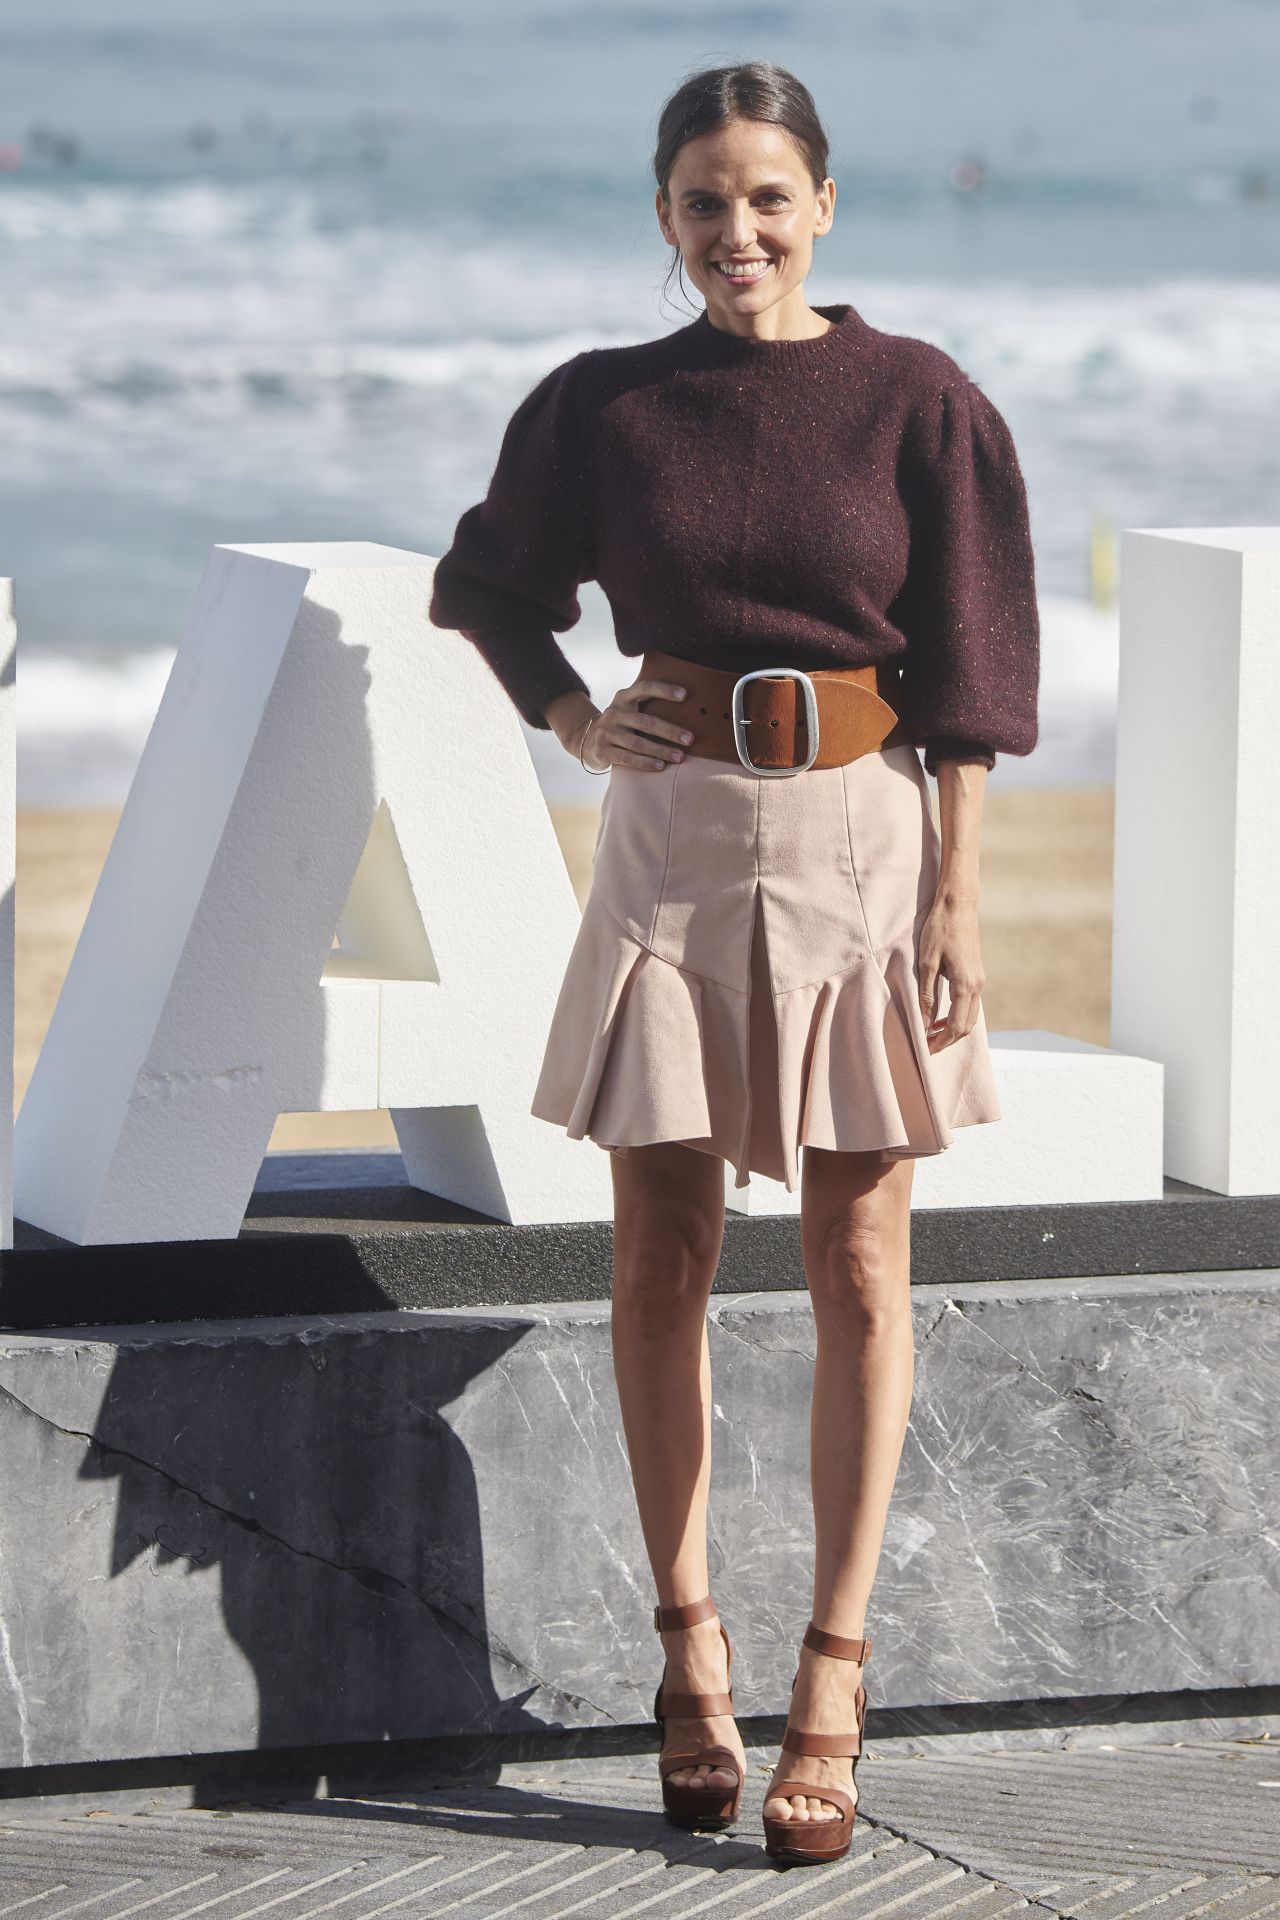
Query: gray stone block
(222,1535)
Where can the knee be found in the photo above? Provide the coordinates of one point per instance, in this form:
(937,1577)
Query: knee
(859,1278)
(663,1266)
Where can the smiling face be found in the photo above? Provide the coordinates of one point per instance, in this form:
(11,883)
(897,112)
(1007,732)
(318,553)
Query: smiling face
(742,197)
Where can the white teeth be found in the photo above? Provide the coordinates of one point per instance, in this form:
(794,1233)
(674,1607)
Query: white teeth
(752,272)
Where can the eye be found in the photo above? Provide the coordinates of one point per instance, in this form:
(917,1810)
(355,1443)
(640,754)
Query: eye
(696,205)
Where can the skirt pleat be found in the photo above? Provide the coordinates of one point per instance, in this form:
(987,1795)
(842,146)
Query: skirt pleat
(744,978)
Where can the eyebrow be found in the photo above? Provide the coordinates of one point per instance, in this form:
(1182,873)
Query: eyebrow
(694,193)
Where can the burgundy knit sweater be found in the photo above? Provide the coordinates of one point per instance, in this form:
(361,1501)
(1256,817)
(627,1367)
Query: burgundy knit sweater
(743,503)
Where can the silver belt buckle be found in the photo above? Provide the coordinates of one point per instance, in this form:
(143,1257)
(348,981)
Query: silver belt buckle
(741,722)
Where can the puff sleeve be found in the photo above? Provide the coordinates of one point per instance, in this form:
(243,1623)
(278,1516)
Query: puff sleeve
(509,580)
(971,666)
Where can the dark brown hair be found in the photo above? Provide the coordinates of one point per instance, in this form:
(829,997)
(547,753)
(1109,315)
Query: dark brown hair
(751,90)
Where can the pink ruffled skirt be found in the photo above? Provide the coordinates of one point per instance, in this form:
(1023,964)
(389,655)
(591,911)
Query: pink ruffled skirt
(744,977)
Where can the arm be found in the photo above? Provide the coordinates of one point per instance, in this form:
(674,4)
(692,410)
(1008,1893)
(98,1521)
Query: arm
(950,946)
(967,608)
(971,672)
(509,581)
(569,716)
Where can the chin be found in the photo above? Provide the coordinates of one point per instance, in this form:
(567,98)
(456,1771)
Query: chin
(771,287)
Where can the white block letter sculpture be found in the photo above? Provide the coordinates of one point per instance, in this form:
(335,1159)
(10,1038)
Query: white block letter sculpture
(323,761)
(8,883)
(1197,858)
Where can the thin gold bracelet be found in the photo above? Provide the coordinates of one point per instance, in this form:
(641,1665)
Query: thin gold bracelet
(582,743)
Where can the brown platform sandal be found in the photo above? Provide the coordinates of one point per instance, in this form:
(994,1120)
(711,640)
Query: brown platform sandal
(825,1838)
(695,1807)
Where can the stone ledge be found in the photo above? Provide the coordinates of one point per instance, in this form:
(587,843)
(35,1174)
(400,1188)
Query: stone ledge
(290,1531)
(346,1233)
(1146,1721)
(1151,1723)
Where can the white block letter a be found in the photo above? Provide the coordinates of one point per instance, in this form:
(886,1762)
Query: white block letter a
(323,761)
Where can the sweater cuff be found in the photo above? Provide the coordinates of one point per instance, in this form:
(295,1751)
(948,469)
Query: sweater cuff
(533,670)
(951,746)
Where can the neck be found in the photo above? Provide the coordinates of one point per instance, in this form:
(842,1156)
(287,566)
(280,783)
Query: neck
(708,344)
(789,319)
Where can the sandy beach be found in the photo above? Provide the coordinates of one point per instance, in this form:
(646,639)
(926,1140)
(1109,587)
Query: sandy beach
(1045,915)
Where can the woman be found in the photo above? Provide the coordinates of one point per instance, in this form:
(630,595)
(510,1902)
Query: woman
(759,966)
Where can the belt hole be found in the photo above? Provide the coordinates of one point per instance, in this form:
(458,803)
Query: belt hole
(773,723)
(724,716)
(701,709)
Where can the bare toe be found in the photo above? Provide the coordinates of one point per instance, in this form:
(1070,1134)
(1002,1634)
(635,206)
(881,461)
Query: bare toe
(704,1777)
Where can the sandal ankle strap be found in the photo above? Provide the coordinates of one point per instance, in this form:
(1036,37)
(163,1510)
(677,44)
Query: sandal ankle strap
(665,1619)
(689,1706)
(838,1644)
(823,1746)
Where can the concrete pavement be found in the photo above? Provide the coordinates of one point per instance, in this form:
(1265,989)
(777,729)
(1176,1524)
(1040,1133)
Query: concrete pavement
(1180,1831)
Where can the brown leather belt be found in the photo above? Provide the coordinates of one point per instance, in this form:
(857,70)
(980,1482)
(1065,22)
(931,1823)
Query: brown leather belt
(856,712)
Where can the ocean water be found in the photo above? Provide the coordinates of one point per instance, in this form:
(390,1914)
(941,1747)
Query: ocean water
(282,272)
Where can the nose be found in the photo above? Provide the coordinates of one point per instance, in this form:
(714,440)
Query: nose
(739,229)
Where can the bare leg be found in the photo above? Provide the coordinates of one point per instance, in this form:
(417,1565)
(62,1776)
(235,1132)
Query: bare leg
(855,1234)
(667,1234)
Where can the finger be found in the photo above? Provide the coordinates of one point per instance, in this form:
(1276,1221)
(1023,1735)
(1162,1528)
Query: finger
(639,739)
(963,1012)
(652,723)
(939,1022)
(623,757)
(658,725)
(653,690)
(606,744)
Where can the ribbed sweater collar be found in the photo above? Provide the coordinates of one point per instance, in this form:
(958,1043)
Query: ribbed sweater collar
(704,344)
